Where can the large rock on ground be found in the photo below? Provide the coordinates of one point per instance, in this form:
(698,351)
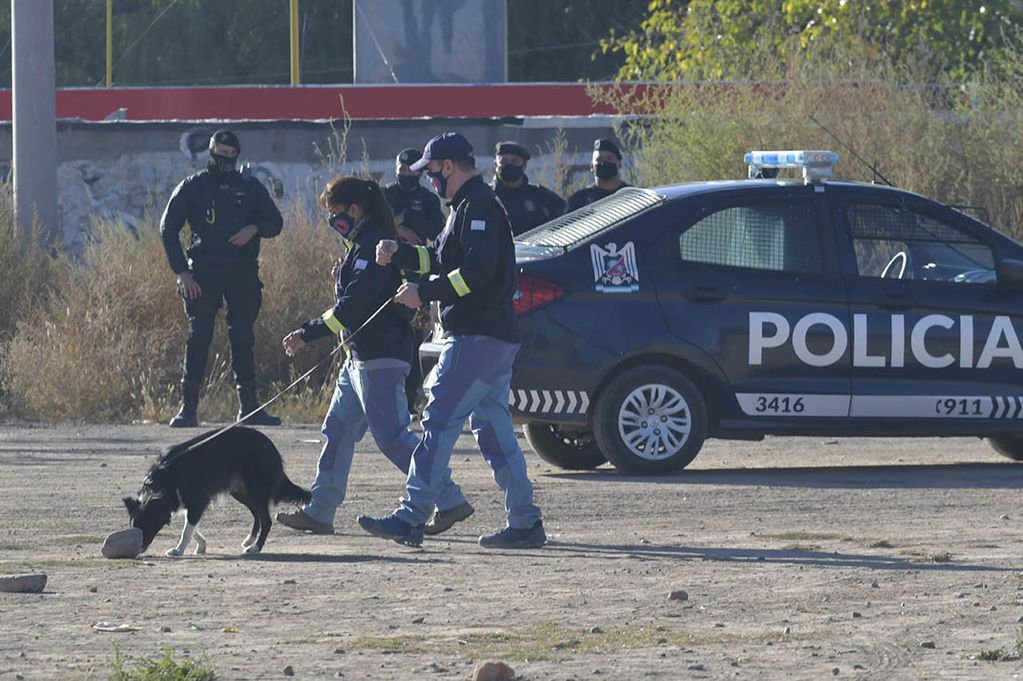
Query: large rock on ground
(23,584)
(493,671)
(123,544)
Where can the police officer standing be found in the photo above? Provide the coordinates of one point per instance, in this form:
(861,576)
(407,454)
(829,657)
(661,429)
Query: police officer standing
(527,204)
(419,220)
(605,166)
(474,261)
(417,211)
(228,213)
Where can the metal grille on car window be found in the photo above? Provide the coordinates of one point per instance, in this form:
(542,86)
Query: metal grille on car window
(581,224)
(867,221)
(768,236)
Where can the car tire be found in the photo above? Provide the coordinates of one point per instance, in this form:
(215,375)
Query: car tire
(1009,446)
(638,447)
(561,447)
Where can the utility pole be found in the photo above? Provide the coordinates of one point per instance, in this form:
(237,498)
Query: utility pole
(110,42)
(35,115)
(295,66)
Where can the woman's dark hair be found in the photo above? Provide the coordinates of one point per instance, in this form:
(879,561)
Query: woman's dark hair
(367,193)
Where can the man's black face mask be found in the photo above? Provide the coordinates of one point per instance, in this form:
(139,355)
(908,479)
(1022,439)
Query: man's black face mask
(510,173)
(605,170)
(408,182)
(223,164)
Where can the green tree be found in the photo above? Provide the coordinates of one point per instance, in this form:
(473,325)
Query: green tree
(682,39)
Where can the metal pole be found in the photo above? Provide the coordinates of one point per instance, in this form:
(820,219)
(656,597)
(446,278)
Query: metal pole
(110,42)
(35,117)
(295,74)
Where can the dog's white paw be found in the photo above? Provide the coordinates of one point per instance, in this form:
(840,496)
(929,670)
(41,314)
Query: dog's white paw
(173,553)
(200,550)
(249,541)
(252,550)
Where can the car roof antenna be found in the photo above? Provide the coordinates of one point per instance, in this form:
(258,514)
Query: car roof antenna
(876,174)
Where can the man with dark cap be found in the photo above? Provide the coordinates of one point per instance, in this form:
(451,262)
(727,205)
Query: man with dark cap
(528,204)
(605,166)
(228,213)
(416,209)
(474,260)
(419,219)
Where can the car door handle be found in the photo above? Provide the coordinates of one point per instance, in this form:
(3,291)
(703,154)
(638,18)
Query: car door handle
(704,294)
(895,301)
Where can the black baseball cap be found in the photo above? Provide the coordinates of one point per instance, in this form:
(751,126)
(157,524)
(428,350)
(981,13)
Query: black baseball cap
(512,148)
(225,137)
(408,156)
(450,146)
(607,145)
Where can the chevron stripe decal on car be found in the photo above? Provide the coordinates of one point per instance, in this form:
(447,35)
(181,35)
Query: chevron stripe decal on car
(549,401)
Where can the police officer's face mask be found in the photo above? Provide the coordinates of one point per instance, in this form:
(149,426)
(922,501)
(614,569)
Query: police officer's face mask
(408,182)
(605,170)
(440,183)
(221,163)
(510,173)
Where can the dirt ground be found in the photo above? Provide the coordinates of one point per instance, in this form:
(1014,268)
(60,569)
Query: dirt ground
(802,558)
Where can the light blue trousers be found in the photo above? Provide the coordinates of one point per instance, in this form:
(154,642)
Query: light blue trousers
(368,396)
(471,381)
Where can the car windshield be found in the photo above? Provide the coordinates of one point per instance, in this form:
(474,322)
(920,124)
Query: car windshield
(581,224)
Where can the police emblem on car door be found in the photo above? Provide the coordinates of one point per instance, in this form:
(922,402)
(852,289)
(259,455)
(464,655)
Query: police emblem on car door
(614,270)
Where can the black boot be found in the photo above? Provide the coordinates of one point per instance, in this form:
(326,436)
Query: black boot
(186,417)
(248,403)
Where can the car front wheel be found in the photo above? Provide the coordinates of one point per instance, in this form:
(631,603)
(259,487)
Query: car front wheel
(1009,446)
(650,420)
(573,450)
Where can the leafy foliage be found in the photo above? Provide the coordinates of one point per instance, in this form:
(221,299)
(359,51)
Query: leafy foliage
(714,39)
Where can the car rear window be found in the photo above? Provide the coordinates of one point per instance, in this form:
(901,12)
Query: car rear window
(581,224)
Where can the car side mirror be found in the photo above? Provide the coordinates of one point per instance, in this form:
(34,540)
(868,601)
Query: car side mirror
(1010,273)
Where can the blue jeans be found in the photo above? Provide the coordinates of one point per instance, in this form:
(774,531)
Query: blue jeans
(471,380)
(368,396)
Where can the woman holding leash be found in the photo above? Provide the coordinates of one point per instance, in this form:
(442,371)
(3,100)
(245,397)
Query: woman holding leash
(370,390)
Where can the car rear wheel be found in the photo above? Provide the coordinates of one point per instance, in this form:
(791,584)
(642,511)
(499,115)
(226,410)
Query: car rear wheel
(1009,446)
(567,448)
(650,420)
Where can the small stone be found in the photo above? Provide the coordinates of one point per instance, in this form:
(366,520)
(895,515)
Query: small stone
(32,583)
(993,608)
(787,630)
(419,620)
(165,630)
(696,667)
(875,585)
(93,589)
(678,595)
(19,677)
(103,465)
(1019,620)
(286,581)
(339,651)
(835,671)
(598,630)
(856,615)
(123,544)
(493,671)
(1004,516)
(927,644)
(289,671)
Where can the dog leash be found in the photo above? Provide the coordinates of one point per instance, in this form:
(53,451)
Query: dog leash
(293,383)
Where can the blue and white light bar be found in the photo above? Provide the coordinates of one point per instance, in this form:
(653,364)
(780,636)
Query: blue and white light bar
(816,165)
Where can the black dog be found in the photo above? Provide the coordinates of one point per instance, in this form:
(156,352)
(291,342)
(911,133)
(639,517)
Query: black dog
(241,462)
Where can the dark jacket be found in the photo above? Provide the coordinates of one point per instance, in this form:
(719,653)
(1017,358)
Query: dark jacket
(362,287)
(475,260)
(585,197)
(421,209)
(216,206)
(528,206)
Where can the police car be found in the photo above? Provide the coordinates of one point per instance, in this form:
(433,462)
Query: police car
(656,318)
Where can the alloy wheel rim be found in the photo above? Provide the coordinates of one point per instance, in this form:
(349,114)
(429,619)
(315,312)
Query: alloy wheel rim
(654,422)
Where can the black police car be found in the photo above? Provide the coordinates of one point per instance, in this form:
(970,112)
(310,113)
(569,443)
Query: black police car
(655,318)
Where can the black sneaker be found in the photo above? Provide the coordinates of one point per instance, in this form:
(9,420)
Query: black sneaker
(394,528)
(516,538)
(183,420)
(442,521)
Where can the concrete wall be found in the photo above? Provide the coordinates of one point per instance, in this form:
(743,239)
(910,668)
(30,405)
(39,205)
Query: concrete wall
(126,170)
